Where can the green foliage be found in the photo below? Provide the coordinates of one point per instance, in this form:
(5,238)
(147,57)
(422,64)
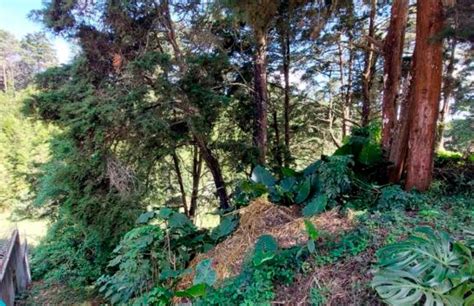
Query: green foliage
(151,257)
(317,296)
(23,146)
(265,249)
(313,235)
(335,176)
(394,197)
(256,284)
(314,188)
(316,206)
(260,175)
(138,259)
(363,145)
(69,254)
(350,244)
(428,265)
(204,273)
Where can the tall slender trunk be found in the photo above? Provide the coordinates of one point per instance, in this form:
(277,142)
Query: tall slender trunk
(369,68)
(348,96)
(345,111)
(277,152)
(287,107)
(214,166)
(260,94)
(448,87)
(180,182)
(428,67)
(196,174)
(211,161)
(392,52)
(399,145)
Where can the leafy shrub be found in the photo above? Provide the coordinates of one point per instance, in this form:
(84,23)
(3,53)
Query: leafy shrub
(139,258)
(313,188)
(363,145)
(455,173)
(428,266)
(350,244)
(255,285)
(68,255)
(317,296)
(394,197)
(151,257)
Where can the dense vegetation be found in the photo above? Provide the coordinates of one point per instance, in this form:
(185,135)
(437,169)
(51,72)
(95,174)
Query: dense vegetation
(182,129)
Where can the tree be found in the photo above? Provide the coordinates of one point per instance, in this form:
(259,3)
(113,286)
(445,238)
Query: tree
(21,60)
(259,16)
(447,95)
(369,67)
(426,94)
(393,52)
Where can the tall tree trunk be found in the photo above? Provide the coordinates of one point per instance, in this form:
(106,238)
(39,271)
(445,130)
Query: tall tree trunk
(399,145)
(369,68)
(260,95)
(287,110)
(180,182)
(213,165)
(211,161)
(196,174)
(277,152)
(392,52)
(428,67)
(448,86)
(345,108)
(348,96)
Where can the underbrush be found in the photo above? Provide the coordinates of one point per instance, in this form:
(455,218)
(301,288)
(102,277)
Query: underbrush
(338,216)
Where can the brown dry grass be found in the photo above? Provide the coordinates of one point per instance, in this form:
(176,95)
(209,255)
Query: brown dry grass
(261,217)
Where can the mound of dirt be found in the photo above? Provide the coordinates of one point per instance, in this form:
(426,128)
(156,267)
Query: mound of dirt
(261,217)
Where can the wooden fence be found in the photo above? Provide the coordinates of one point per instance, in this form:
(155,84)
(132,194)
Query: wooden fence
(14,269)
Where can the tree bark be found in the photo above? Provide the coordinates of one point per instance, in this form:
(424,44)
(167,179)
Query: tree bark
(287,110)
(349,91)
(448,87)
(427,89)
(260,95)
(214,166)
(196,174)
(399,145)
(277,152)
(393,52)
(369,68)
(342,92)
(180,182)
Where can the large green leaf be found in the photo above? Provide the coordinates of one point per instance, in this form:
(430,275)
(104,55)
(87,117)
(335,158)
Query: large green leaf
(316,206)
(427,266)
(225,227)
(145,217)
(193,291)
(263,176)
(311,230)
(287,184)
(265,249)
(205,274)
(303,191)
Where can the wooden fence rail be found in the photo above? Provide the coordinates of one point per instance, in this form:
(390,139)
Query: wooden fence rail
(14,269)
